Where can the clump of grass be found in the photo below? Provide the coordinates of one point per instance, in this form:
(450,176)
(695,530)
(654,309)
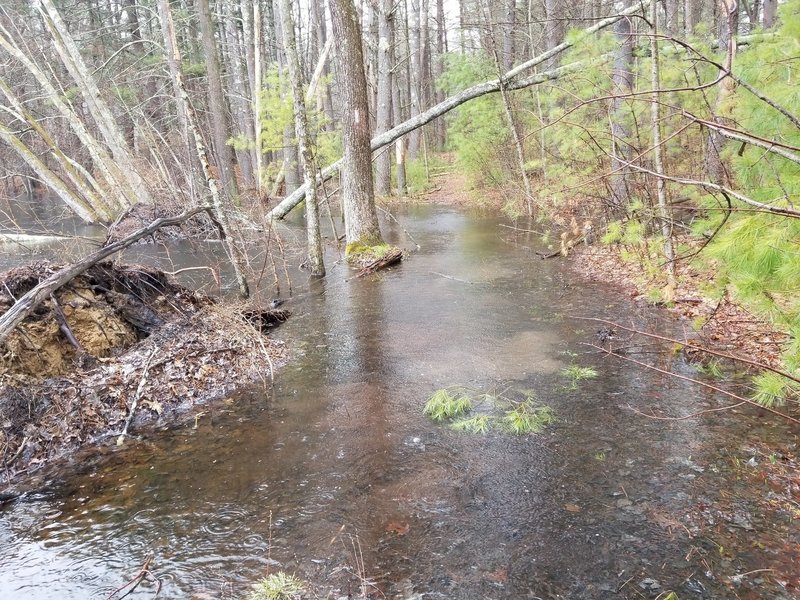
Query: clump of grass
(276,586)
(513,411)
(527,417)
(577,373)
(477,424)
(443,405)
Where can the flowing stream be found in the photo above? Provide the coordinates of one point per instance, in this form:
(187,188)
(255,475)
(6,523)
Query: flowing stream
(336,476)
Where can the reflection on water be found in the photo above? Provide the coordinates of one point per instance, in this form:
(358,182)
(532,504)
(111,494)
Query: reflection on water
(338,461)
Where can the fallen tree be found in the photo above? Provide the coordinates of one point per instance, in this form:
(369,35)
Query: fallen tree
(509,81)
(25,305)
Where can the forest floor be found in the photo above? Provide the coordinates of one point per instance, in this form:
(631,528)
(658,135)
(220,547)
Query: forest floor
(118,348)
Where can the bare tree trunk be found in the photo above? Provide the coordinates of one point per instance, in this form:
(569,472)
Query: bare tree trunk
(383,109)
(513,82)
(314,240)
(217,211)
(554,29)
(358,200)
(694,12)
(239,91)
(715,167)
(658,162)
(622,79)
(512,123)
(509,25)
(441,43)
(216,98)
(400,143)
(770,13)
(414,49)
(320,33)
(672,26)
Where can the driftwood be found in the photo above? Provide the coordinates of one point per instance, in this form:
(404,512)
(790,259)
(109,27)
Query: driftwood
(31,300)
(393,256)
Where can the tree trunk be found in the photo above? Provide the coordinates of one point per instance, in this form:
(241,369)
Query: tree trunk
(658,162)
(509,25)
(217,211)
(413,34)
(400,144)
(476,91)
(509,113)
(622,79)
(715,167)
(770,13)
(383,109)
(358,200)
(306,154)
(554,29)
(216,98)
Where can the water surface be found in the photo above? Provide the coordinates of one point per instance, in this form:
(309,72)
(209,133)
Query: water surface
(335,472)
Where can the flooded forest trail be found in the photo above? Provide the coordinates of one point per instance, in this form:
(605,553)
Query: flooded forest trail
(336,475)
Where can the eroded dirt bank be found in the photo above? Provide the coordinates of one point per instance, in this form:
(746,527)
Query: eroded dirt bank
(116,337)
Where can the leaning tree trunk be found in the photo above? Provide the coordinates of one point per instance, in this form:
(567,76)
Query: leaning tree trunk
(306,154)
(476,91)
(217,210)
(358,200)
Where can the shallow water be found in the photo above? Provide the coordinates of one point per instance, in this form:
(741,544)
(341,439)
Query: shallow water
(335,471)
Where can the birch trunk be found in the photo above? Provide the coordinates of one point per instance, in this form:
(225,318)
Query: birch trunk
(383,109)
(309,165)
(71,58)
(217,211)
(513,82)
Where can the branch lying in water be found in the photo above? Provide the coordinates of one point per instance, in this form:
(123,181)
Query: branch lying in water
(746,361)
(739,399)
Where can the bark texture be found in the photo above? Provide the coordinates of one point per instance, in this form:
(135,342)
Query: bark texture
(358,200)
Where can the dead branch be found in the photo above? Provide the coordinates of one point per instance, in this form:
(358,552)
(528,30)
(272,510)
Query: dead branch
(393,256)
(30,301)
(136,398)
(719,390)
(510,80)
(655,336)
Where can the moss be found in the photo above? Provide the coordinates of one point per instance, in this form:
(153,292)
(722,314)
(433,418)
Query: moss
(361,253)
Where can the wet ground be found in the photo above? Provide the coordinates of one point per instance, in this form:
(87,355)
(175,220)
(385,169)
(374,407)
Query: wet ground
(337,476)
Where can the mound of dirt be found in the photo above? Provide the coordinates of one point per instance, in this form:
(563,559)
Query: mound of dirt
(114,338)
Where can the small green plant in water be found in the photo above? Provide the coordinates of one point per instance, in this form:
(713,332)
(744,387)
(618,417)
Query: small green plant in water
(511,411)
(277,586)
(527,417)
(477,424)
(443,405)
(577,373)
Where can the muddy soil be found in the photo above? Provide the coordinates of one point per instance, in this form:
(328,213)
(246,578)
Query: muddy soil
(114,337)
